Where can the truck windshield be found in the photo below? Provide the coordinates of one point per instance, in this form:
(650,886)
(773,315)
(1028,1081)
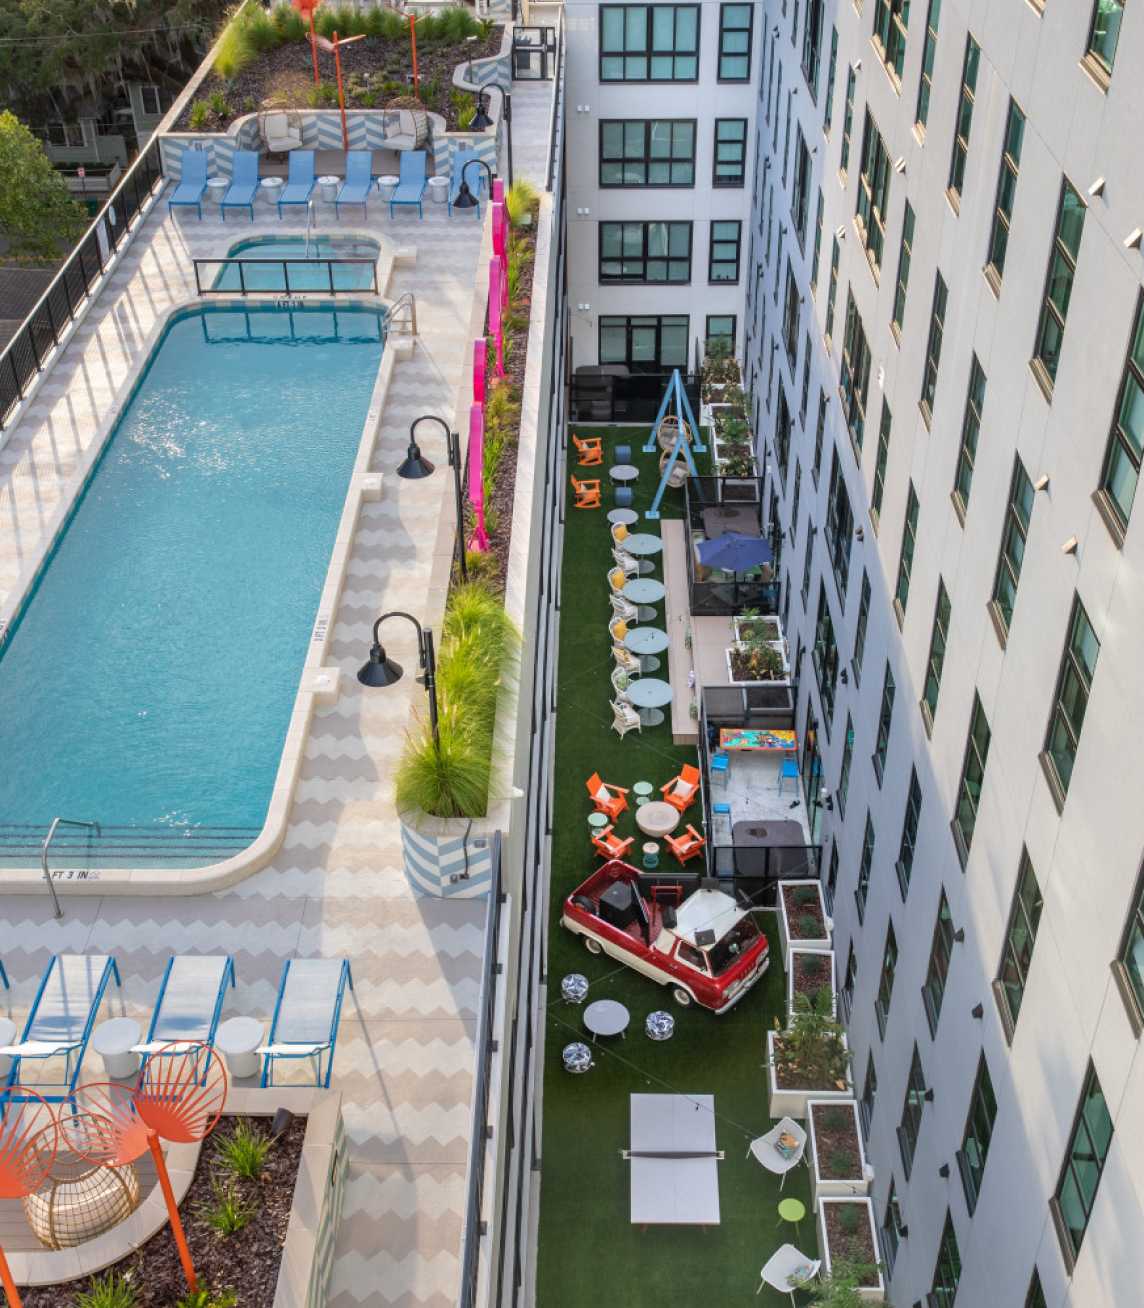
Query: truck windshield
(725,953)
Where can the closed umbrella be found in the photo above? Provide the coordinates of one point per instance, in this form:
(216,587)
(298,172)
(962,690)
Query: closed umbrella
(734,552)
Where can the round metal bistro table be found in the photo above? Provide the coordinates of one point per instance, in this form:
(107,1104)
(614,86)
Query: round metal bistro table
(624,517)
(641,544)
(239,1039)
(650,851)
(597,821)
(646,641)
(643,792)
(793,1211)
(644,591)
(606,1017)
(649,695)
(115,1041)
(623,472)
(657,819)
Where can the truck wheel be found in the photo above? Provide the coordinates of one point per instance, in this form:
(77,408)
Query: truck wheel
(682,997)
(592,945)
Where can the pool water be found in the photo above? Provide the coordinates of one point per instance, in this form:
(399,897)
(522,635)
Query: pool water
(150,677)
(302,274)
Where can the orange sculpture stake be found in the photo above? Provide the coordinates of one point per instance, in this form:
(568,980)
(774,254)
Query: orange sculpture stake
(29,1139)
(306,9)
(413,43)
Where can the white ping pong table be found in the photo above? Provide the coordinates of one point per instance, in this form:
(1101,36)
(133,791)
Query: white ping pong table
(675,1178)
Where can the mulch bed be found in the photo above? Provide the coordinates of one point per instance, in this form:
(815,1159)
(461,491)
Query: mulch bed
(853,1245)
(245,1262)
(836,1143)
(287,72)
(811,973)
(790,1074)
(800,915)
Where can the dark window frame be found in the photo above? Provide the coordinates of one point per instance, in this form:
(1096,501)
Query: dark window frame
(645,257)
(873,204)
(724,32)
(1070,703)
(935,661)
(970,435)
(722,181)
(979,1123)
(909,1127)
(656,322)
(1129,400)
(1059,278)
(735,261)
(1082,1136)
(890,36)
(1008,172)
(911,820)
(885,995)
(906,554)
(963,124)
(1018,945)
(976,757)
(947,1267)
(648,51)
(647,159)
(1015,527)
(885,723)
(939,965)
(902,282)
(934,342)
(929,58)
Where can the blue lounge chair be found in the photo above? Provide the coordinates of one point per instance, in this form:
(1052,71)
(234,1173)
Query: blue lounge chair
(300,183)
(190,1001)
(412,182)
(475,178)
(192,182)
(62,1017)
(306,1015)
(243,183)
(359,178)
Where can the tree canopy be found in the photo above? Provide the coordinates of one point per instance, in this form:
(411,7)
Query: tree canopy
(37,213)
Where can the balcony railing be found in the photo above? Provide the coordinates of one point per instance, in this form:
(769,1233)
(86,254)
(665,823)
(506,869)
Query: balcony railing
(736,502)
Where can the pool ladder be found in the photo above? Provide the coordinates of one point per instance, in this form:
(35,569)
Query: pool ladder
(59,822)
(310,211)
(403,313)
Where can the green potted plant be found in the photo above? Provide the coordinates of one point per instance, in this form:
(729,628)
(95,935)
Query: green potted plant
(810,1059)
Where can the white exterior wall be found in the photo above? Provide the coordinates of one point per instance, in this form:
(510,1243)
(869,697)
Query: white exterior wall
(588,100)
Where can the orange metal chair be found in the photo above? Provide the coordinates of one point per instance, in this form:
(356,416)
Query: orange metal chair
(587,493)
(680,791)
(607,798)
(590,450)
(610,846)
(686,846)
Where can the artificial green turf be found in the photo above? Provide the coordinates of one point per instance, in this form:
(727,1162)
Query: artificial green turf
(590,1255)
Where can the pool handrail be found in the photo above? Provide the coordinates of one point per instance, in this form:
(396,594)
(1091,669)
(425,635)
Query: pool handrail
(285,289)
(56,823)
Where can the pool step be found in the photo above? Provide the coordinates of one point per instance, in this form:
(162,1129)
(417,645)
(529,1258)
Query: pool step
(122,846)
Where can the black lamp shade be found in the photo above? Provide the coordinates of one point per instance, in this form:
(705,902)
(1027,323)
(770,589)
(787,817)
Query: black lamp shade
(481,119)
(465,199)
(415,465)
(379,671)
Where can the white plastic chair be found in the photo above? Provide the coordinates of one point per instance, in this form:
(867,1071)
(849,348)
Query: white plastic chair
(617,580)
(765,1152)
(787,1262)
(618,629)
(624,608)
(628,562)
(627,660)
(625,718)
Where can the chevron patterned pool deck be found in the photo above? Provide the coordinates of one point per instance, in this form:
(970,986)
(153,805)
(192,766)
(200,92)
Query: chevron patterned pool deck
(404,1060)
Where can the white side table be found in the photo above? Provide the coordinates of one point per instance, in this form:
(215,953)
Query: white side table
(114,1040)
(270,189)
(329,188)
(239,1038)
(386,186)
(8,1031)
(217,187)
(438,189)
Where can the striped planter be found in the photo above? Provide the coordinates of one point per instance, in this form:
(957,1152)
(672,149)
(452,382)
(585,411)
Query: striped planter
(434,857)
(331,1214)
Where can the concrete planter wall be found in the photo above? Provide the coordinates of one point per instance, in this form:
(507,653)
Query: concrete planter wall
(448,858)
(869,1293)
(836,1187)
(796,953)
(787,939)
(791,1101)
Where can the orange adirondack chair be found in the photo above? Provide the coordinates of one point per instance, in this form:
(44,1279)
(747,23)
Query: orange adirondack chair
(680,791)
(607,798)
(587,493)
(685,846)
(590,450)
(610,846)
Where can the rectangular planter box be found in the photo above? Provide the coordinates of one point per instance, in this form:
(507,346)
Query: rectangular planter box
(783,680)
(816,955)
(787,938)
(868,1293)
(771,621)
(836,1187)
(791,1101)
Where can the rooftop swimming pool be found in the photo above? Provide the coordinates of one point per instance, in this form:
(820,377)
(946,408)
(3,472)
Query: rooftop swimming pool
(149,678)
(302,272)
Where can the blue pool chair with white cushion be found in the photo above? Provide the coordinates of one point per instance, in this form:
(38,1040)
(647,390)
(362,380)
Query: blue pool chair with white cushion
(243,183)
(301,182)
(475,178)
(61,1021)
(190,1002)
(192,182)
(306,1016)
(359,179)
(411,182)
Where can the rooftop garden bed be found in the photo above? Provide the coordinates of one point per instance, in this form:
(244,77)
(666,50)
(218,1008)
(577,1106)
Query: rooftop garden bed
(265,63)
(802,917)
(838,1158)
(810,973)
(850,1244)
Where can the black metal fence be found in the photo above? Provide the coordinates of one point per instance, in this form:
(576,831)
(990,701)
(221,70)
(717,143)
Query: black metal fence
(737,501)
(609,393)
(40,333)
(272,276)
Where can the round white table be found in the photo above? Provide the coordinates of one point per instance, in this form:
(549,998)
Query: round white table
(270,188)
(386,185)
(644,590)
(657,818)
(646,641)
(606,1017)
(624,472)
(624,516)
(329,186)
(649,695)
(217,187)
(8,1030)
(114,1040)
(438,189)
(239,1038)
(642,543)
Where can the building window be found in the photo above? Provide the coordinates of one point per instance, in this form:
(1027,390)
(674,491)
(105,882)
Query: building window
(844,770)
(647,152)
(831,73)
(860,629)
(911,1122)
(964,120)
(720,331)
(730,152)
(1017,951)
(855,373)
(645,344)
(947,1269)
(723,258)
(906,558)
(903,272)
(1058,286)
(936,660)
(1129,966)
(831,879)
(885,722)
(890,21)
(972,779)
(1122,461)
(735,23)
(649,43)
(873,192)
(794,502)
(790,318)
(933,992)
(847,123)
(1074,685)
(811,41)
(150,100)
(970,431)
(893,1228)
(846,995)
(800,202)
(929,54)
(1103,36)
(886,979)
(1006,192)
(1036,1296)
(645,252)
(1084,1162)
(807,561)
(869,1095)
(839,529)
(782,432)
(879,486)
(862,890)
(832,292)
(804,398)
(65,135)
(825,654)
(1014,533)
(978,1132)
(933,347)
(817,244)
(910,820)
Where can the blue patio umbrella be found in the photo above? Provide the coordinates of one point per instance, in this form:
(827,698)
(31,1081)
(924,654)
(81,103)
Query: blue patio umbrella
(734,552)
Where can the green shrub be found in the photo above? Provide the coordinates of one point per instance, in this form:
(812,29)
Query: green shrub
(200,112)
(449,26)
(235,51)
(244,1150)
(111,1291)
(204,1298)
(384,23)
(520,199)
(290,24)
(848,1218)
(218,105)
(322,96)
(261,30)
(229,1212)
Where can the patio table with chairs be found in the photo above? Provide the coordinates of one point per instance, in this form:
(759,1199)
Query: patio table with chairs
(646,642)
(649,695)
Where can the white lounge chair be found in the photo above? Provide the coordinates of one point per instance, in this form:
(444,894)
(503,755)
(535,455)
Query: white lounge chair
(626,660)
(282,132)
(306,1015)
(787,1270)
(765,1148)
(628,562)
(625,718)
(623,609)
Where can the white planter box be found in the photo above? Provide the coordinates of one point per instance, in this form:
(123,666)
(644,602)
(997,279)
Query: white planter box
(787,938)
(784,680)
(836,1187)
(770,620)
(790,1101)
(870,1293)
(795,953)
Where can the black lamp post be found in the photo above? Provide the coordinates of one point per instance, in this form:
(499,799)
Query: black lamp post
(481,119)
(381,670)
(465,198)
(416,466)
